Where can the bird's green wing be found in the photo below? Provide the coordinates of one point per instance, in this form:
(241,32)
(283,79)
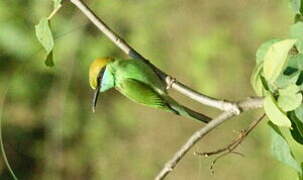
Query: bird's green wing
(142,93)
(134,69)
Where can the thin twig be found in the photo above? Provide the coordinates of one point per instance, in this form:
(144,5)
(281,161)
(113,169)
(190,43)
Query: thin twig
(54,12)
(4,156)
(236,142)
(251,103)
(126,48)
(230,148)
(219,157)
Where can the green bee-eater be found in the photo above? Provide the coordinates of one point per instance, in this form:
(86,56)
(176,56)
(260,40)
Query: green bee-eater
(137,81)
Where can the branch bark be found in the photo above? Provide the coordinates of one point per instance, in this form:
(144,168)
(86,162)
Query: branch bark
(252,103)
(126,48)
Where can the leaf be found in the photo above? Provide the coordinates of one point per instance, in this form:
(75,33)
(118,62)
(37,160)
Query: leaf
(281,150)
(301,175)
(256,80)
(262,50)
(296,6)
(293,73)
(292,89)
(49,60)
(284,80)
(296,62)
(289,102)
(45,37)
(276,58)
(264,83)
(289,98)
(274,113)
(296,134)
(299,113)
(296,31)
(297,130)
(298,18)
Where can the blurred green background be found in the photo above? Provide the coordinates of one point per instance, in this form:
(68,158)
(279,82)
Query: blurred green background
(50,131)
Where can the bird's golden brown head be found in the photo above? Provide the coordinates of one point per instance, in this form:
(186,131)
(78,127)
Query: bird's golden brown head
(95,68)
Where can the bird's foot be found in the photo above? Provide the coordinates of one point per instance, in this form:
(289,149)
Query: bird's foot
(169,82)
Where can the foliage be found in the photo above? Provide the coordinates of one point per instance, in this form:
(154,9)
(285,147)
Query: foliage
(278,76)
(49,130)
(45,37)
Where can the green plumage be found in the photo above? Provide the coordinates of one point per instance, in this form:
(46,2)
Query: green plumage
(140,83)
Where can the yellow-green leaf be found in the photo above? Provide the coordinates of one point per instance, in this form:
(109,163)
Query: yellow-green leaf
(256,81)
(281,149)
(289,98)
(296,6)
(274,113)
(276,58)
(45,37)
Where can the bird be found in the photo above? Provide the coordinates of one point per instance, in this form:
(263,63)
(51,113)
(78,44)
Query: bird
(138,82)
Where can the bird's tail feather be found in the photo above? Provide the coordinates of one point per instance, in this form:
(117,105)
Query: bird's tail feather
(196,115)
(184,111)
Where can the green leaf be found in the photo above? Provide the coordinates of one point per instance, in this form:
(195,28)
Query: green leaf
(296,62)
(296,31)
(281,150)
(299,174)
(45,37)
(293,73)
(276,58)
(284,80)
(296,6)
(256,80)
(262,50)
(299,113)
(298,18)
(297,130)
(49,60)
(264,84)
(274,113)
(289,98)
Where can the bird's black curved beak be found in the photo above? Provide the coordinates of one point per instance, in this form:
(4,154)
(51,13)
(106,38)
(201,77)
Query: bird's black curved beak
(97,90)
(95,97)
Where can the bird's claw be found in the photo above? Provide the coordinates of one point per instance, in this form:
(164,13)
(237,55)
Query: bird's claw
(169,82)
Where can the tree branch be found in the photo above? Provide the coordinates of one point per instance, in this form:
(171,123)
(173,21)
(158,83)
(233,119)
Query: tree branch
(251,103)
(126,48)
(231,108)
